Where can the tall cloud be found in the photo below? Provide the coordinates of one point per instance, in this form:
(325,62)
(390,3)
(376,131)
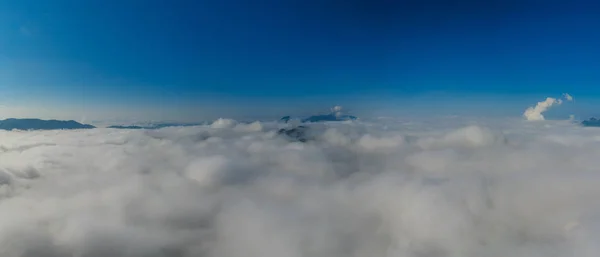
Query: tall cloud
(535,113)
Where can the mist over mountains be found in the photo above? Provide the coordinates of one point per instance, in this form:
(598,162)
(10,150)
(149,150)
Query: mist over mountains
(39,124)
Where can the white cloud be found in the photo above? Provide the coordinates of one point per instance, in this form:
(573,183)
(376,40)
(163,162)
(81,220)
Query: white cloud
(424,188)
(223,123)
(568,97)
(337,110)
(535,113)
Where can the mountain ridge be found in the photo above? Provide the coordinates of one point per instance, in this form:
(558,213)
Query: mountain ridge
(39,124)
(591,122)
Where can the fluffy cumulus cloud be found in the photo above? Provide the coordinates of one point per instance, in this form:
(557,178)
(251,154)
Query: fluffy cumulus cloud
(535,113)
(336,110)
(388,188)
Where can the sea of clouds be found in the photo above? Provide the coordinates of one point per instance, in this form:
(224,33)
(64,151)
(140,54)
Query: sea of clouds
(386,187)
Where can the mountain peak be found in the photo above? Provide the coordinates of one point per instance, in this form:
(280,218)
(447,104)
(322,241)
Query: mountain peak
(335,115)
(592,122)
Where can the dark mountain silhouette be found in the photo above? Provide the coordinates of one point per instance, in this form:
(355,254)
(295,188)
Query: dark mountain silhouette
(37,124)
(298,133)
(285,119)
(126,127)
(592,122)
(334,115)
(329,117)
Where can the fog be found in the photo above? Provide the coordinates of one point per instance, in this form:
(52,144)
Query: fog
(386,187)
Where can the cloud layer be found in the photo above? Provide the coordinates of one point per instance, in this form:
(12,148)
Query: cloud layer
(389,188)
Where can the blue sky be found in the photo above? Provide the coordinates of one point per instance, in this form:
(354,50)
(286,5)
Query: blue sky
(194,60)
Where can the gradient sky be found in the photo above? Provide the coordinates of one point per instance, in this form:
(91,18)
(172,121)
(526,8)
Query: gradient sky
(194,60)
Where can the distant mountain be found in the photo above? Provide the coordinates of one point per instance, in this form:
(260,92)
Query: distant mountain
(37,124)
(299,133)
(329,117)
(285,119)
(333,116)
(125,127)
(592,122)
(155,126)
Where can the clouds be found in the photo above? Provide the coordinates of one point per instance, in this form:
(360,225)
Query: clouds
(535,113)
(568,97)
(360,189)
(336,109)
